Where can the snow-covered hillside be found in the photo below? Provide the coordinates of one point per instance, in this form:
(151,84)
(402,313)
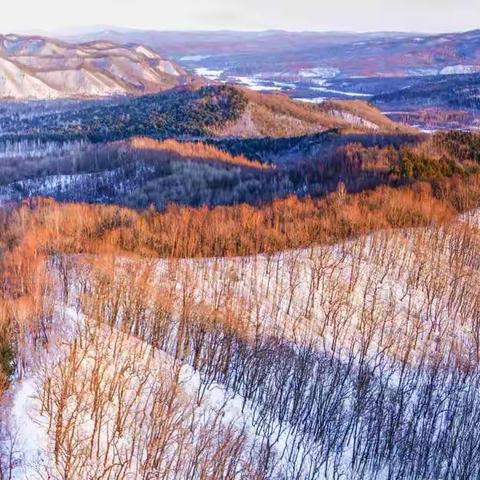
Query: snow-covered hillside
(307,364)
(43,68)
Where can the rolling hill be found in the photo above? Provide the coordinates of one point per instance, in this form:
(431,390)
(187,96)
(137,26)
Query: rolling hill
(215,111)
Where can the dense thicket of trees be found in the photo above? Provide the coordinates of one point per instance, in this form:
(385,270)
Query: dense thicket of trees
(145,171)
(242,229)
(177,112)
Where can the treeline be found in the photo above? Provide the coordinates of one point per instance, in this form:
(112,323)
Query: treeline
(194,151)
(242,229)
(437,118)
(137,177)
(279,150)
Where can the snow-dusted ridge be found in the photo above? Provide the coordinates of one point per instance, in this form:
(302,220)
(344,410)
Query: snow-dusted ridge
(44,68)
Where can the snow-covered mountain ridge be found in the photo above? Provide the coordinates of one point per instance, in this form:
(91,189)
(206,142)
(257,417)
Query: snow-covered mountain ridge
(34,67)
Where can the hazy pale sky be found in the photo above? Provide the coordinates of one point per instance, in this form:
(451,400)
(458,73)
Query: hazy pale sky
(353,15)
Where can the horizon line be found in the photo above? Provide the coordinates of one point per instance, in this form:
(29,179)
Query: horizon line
(87,30)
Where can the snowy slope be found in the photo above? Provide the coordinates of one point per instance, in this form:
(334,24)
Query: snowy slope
(102,400)
(135,380)
(18,83)
(323,293)
(42,68)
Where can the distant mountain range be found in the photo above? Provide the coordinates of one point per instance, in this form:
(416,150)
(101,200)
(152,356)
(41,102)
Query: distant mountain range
(35,67)
(343,54)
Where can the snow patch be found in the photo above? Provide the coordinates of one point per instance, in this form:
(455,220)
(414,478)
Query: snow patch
(460,69)
(209,73)
(319,72)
